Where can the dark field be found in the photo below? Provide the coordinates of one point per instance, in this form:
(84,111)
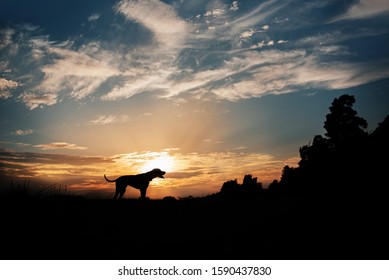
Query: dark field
(266,227)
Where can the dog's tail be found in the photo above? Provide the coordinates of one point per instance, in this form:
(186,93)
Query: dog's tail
(108,179)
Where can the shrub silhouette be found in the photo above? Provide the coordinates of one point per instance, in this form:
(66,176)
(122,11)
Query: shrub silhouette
(230,186)
(249,187)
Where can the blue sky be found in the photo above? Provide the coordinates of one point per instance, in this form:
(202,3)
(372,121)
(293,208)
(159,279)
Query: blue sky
(208,90)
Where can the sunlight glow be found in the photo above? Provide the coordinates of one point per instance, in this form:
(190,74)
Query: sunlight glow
(164,162)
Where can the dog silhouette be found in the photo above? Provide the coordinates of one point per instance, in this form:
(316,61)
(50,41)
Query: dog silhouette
(138,181)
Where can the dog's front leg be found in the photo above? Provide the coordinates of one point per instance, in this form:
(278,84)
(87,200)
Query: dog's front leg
(143,193)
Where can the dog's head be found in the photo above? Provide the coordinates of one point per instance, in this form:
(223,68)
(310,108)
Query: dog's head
(156,172)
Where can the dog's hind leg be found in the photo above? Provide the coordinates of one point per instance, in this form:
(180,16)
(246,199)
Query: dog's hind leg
(120,190)
(122,193)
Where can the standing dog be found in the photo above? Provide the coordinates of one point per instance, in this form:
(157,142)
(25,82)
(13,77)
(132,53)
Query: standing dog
(139,181)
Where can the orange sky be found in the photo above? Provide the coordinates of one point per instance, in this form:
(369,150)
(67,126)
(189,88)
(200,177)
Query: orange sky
(192,174)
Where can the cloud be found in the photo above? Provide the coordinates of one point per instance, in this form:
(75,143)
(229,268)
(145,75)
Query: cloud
(223,23)
(49,158)
(6,86)
(217,10)
(80,72)
(6,37)
(102,120)
(256,16)
(335,37)
(55,167)
(247,34)
(226,80)
(20,132)
(77,73)
(234,6)
(245,73)
(17,144)
(365,9)
(146,114)
(238,58)
(62,70)
(156,79)
(13,39)
(33,101)
(183,174)
(262,44)
(93,17)
(255,74)
(160,18)
(59,146)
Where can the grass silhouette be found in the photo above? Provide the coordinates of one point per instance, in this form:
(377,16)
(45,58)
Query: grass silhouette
(25,191)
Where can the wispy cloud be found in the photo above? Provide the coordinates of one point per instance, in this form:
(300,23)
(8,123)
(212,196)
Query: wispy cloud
(234,6)
(17,144)
(94,17)
(33,100)
(364,9)
(60,146)
(257,16)
(335,37)
(160,18)
(275,72)
(239,57)
(109,119)
(67,71)
(21,132)
(6,37)
(50,158)
(80,72)
(41,166)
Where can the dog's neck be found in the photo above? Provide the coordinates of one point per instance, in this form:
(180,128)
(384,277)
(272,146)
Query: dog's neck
(150,175)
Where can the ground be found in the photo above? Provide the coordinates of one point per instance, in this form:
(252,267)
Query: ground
(264,227)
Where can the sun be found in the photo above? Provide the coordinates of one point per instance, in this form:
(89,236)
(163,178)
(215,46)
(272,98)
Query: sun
(163,162)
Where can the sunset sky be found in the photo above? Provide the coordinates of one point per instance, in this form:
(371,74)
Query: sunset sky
(206,90)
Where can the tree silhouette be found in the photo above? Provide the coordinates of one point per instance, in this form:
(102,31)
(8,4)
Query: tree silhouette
(316,155)
(380,135)
(377,153)
(346,160)
(342,123)
(291,180)
(251,183)
(346,134)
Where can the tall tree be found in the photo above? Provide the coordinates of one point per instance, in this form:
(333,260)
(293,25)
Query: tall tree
(342,123)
